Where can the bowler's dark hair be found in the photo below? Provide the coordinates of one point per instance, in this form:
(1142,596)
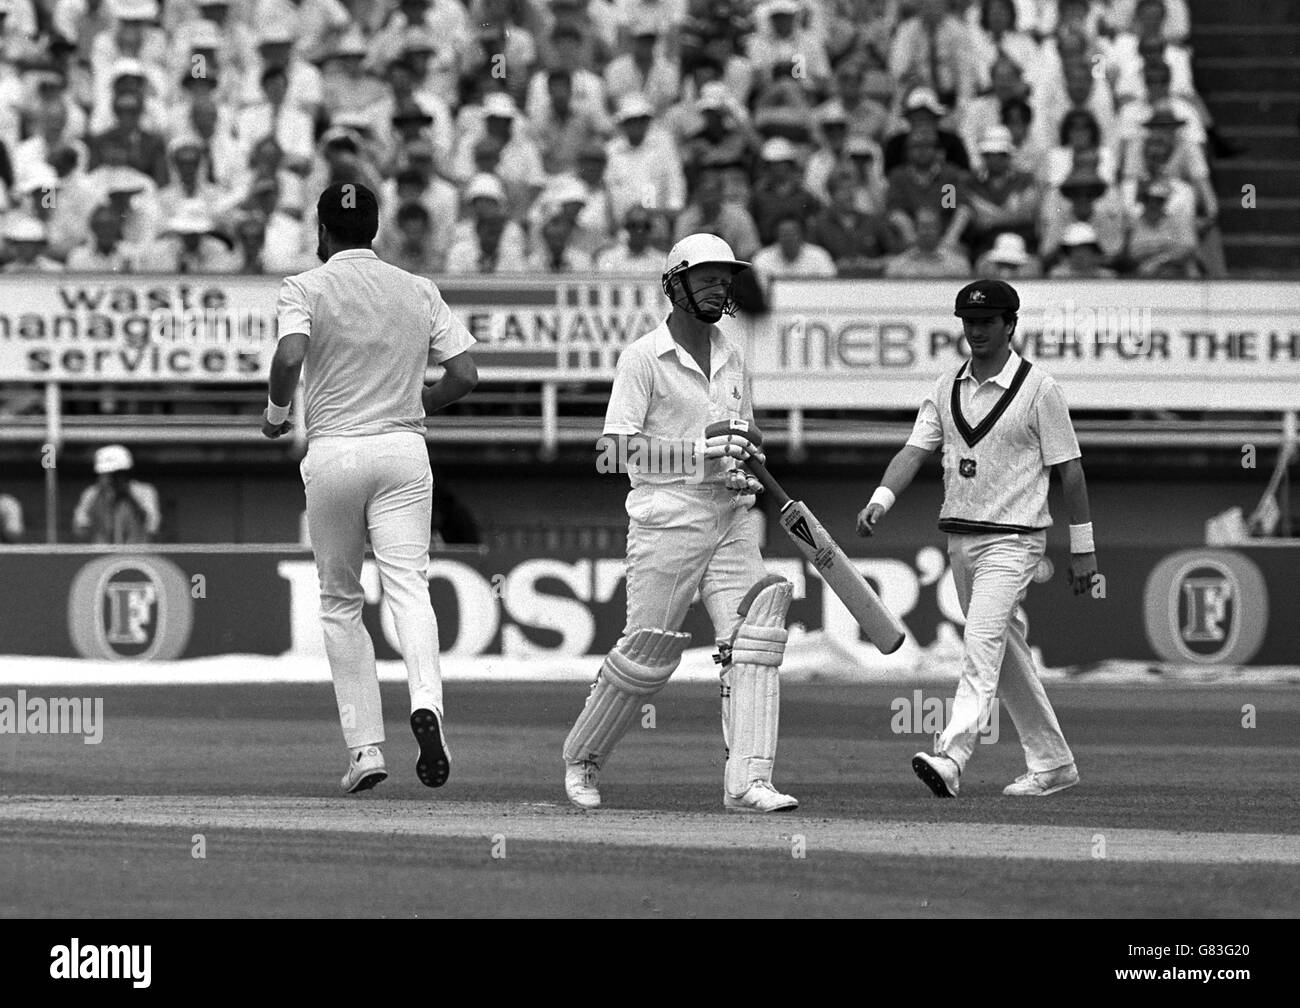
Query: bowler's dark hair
(350,213)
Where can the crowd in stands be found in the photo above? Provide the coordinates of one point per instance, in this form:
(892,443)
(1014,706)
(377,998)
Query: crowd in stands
(851,138)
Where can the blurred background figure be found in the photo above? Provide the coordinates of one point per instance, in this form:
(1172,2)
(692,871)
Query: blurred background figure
(633,252)
(791,255)
(1081,256)
(927,256)
(11,519)
(1008,259)
(116,508)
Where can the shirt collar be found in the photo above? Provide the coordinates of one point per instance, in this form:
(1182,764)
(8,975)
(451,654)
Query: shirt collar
(1004,377)
(354,253)
(720,348)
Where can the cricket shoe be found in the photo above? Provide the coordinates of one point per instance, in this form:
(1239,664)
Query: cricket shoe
(1043,783)
(580,784)
(761,797)
(939,773)
(434,765)
(365,771)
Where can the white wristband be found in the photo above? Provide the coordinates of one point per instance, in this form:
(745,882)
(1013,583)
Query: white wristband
(276,415)
(884,497)
(1081,538)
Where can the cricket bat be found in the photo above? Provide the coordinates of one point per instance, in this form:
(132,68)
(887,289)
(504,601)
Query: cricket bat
(881,626)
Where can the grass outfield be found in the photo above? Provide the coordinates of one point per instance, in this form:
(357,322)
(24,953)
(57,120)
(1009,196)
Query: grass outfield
(1192,812)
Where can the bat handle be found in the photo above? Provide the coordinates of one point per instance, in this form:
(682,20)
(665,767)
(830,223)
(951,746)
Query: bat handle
(773,488)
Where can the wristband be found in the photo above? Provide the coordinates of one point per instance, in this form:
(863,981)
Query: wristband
(1081,538)
(276,415)
(884,497)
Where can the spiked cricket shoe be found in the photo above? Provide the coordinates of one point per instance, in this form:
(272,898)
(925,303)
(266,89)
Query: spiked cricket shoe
(365,771)
(580,784)
(939,773)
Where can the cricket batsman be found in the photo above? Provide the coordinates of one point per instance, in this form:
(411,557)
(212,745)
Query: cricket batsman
(690,529)
(1003,426)
(366,332)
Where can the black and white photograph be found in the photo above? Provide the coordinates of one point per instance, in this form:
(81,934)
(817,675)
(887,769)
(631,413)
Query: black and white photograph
(604,459)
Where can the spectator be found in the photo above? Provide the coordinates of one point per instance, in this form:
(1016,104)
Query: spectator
(190,243)
(104,251)
(1002,198)
(273,116)
(1084,94)
(710,213)
(133,199)
(442,31)
(189,187)
(927,181)
(276,48)
(865,161)
(250,244)
(930,50)
(831,153)
(412,247)
(26,244)
(313,22)
(1158,110)
(857,242)
(33,154)
(1172,21)
(779,40)
(1079,135)
(997,38)
(203,58)
(561,130)
(286,247)
(440,199)
(928,257)
(1081,256)
(11,519)
(1018,118)
(866,116)
(984,112)
(565,52)
(596,219)
(146,151)
(501,38)
(116,508)
(40,197)
(400,108)
(779,191)
(485,253)
(923,112)
(722,136)
(566,195)
(1008,259)
(342,160)
(1161,243)
(643,165)
(214,126)
(520,168)
(134,41)
(791,255)
(1083,198)
(633,253)
(345,84)
(485,198)
(552,254)
(1147,42)
(645,71)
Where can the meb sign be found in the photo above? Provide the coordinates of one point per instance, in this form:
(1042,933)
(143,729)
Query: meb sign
(1112,344)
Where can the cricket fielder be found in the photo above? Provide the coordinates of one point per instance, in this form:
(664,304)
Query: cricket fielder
(690,528)
(1003,426)
(367,331)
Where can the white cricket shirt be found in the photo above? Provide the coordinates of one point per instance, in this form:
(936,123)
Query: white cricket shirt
(660,391)
(372,330)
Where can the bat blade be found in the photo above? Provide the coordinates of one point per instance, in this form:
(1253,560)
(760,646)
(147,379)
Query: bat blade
(881,626)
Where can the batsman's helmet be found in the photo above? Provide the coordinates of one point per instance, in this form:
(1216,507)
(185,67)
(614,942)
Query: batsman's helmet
(697,250)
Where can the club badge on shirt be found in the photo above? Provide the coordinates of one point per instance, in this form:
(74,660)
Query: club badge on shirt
(966,467)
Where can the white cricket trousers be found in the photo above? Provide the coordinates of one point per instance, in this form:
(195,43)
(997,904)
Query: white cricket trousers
(686,538)
(377,485)
(991,574)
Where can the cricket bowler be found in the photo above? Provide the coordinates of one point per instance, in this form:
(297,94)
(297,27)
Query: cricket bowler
(690,528)
(1003,426)
(367,331)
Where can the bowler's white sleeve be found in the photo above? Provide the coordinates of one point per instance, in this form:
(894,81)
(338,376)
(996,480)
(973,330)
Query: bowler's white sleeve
(292,313)
(629,399)
(448,336)
(927,432)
